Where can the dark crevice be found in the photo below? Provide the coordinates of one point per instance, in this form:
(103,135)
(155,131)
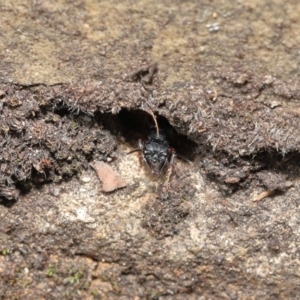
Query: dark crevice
(138,124)
(133,125)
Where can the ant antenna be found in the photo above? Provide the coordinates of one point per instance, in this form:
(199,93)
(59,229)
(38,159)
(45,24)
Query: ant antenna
(155,121)
(149,111)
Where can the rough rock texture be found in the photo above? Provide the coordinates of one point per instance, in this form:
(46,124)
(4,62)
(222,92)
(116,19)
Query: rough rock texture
(76,78)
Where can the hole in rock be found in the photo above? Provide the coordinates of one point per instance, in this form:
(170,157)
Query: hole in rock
(138,124)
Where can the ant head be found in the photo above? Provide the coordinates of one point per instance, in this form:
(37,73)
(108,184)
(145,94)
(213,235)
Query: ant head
(156,154)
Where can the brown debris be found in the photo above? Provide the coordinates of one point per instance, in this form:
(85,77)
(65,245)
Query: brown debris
(110,180)
(273,180)
(232,180)
(263,195)
(145,74)
(8,192)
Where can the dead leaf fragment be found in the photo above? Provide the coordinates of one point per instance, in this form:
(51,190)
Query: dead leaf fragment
(109,178)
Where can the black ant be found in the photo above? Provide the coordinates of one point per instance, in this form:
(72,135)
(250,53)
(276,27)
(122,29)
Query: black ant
(156,151)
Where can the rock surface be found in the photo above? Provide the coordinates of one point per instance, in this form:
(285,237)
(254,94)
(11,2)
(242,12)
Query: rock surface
(75,79)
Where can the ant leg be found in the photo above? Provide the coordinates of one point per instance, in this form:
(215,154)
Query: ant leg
(140,155)
(184,159)
(171,166)
(141,159)
(132,151)
(140,150)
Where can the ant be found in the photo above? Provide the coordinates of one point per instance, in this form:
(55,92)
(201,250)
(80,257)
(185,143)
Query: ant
(156,151)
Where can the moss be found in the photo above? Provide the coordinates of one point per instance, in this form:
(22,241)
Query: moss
(75,278)
(50,271)
(5,251)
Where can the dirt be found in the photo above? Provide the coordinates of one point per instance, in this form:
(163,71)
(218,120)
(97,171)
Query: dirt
(76,81)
